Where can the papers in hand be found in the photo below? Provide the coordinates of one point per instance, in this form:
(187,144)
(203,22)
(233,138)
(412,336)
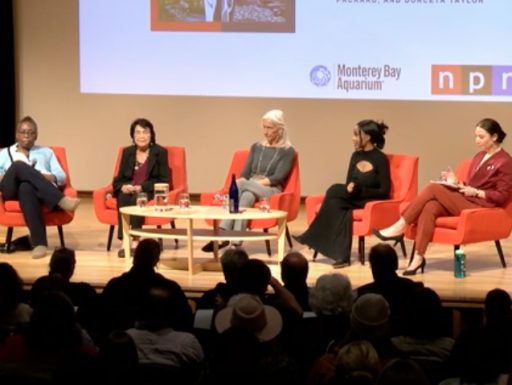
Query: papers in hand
(447,184)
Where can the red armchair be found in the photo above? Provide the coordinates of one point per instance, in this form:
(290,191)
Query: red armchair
(472,226)
(11,215)
(288,200)
(378,214)
(105,206)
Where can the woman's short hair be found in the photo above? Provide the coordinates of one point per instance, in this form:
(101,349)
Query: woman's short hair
(146,124)
(492,127)
(277,117)
(375,130)
(331,295)
(357,363)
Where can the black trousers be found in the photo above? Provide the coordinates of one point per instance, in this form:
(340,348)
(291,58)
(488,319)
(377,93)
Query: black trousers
(25,184)
(136,222)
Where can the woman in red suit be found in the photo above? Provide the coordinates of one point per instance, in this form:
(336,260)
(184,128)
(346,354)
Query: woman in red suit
(489,184)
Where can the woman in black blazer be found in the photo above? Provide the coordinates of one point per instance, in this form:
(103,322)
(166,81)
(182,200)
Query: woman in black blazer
(142,165)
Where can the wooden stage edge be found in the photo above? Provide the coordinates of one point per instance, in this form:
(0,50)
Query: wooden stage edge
(97,266)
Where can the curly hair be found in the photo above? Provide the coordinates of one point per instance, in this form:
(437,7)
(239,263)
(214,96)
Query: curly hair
(331,295)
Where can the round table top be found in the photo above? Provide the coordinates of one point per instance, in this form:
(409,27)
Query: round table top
(201,212)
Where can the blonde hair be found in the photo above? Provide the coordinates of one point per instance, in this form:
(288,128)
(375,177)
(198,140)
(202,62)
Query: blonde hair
(277,117)
(358,359)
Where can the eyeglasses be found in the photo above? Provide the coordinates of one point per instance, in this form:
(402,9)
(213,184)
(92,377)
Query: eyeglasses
(26,132)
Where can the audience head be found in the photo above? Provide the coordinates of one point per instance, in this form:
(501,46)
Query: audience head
(254,277)
(331,295)
(383,261)
(26,132)
(275,129)
(231,261)
(118,360)
(294,269)
(46,284)
(497,305)
(147,255)
(370,317)
(53,325)
(11,288)
(402,372)
(357,364)
(160,309)
(488,134)
(369,132)
(247,312)
(422,315)
(142,133)
(63,263)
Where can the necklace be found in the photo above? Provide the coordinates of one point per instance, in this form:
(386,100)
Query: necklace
(258,174)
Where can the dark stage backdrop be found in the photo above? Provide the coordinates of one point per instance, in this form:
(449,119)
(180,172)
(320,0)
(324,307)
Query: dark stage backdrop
(7,75)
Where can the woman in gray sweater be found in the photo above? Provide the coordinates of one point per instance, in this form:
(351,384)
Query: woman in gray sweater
(265,171)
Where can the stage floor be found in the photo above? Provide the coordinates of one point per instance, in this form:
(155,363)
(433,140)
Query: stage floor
(97,266)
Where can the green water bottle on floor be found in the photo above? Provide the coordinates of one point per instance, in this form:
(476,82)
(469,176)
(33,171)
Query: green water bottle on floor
(459,264)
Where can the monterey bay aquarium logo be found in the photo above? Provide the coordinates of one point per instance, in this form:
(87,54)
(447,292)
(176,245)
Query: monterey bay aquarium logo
(354,78)
(471,80)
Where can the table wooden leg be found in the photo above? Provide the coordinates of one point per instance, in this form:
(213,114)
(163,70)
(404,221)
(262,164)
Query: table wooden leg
(216,242)
(125,219)
(190,246)
(281,238)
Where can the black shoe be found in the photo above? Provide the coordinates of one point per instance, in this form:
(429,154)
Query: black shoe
(120,253)
(340,264)
(396,238)
(208,248)
(420,267)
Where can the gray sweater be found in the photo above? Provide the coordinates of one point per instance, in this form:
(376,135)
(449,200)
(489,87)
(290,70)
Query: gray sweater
(273,163)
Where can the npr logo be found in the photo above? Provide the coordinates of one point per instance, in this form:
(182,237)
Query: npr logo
(471,80)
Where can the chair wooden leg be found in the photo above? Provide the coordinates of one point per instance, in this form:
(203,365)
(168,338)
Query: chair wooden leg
(267,244)
(361,250)
(176,241)
(61,236)
(500,253)
(160,240)
(8,240)
(289,237)
(110,236)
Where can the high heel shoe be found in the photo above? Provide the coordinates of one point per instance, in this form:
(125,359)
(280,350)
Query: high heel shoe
(413,271)
(397,238)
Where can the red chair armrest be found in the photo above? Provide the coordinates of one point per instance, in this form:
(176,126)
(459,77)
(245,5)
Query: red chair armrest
(99,199)
(175,193)
(485,224)
(206,198)
(311,203)
(381,214)
(280,201)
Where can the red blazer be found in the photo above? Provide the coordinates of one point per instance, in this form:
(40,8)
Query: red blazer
(494,177)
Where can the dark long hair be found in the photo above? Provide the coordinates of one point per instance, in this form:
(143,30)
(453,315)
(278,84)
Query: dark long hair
(375,130)
(144,123)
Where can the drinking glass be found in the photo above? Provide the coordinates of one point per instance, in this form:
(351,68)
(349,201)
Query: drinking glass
(142,200)
(161,196)
(225,202)
(184,202)
(444,174)
(264,205)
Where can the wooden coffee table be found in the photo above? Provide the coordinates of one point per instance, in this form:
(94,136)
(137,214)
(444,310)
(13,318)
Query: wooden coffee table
(191,234)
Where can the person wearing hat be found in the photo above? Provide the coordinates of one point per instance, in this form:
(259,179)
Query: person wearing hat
(369,321)
(245,351)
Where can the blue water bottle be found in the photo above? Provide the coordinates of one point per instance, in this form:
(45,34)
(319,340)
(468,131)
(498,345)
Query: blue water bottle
(459,264)
(233,196)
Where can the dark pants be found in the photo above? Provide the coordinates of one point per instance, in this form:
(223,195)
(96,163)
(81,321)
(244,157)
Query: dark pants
(136,222)
(23,183)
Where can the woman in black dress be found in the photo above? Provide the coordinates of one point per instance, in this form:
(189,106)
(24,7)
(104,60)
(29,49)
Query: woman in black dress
(368,179)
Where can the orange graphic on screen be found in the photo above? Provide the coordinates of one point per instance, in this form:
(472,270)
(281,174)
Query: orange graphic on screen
(446,80)
(276,16)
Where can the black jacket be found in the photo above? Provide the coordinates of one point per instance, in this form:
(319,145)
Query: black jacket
(157,170)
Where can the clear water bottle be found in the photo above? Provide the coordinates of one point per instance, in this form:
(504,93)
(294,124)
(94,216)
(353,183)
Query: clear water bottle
(233,196)
(459,264)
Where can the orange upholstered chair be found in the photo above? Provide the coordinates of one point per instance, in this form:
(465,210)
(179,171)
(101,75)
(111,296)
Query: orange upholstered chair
(105,205)
(472,226)
(288,200)
(11,215)
(378,214)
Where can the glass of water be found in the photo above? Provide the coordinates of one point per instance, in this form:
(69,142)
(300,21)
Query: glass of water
(184,201)
(142,200)
(264,205)
(161,196)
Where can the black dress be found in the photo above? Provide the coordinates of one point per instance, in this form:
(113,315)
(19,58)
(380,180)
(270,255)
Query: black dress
(331,232)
